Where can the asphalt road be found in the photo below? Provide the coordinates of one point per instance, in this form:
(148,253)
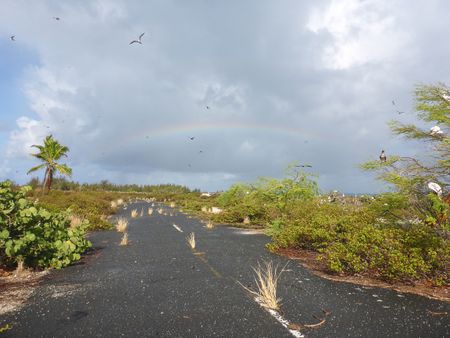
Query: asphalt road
(158,287)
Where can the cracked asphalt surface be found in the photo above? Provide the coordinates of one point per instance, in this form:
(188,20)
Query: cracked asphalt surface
(158,287)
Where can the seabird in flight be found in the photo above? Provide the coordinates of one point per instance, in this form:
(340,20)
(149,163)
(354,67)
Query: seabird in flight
(138,40)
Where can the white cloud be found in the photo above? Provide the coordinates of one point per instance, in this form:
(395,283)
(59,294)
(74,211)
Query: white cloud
(361,31)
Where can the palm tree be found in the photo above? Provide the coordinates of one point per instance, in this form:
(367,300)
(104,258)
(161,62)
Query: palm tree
(49,153)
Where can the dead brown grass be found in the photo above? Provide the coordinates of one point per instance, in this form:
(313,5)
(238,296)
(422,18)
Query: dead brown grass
(266,279)
(124,240)
(191,240)
(122,224)
(75,221)
(134,213)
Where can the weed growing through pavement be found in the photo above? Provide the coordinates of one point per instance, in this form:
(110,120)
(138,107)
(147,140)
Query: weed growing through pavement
(134,213)
(124,240)
(150,211)
(266,278)
(209,225)
(191,240)
(142,212)
(122,224)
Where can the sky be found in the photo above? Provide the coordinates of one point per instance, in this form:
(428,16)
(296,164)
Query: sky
(257,84)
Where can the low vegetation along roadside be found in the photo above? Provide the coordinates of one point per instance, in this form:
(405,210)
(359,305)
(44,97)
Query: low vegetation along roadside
(33,236)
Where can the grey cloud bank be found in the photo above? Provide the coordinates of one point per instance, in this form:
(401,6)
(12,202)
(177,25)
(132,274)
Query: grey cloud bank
(310,81)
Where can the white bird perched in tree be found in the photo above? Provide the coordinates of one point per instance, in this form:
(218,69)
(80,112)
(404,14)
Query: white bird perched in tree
(436,188)
(436,130)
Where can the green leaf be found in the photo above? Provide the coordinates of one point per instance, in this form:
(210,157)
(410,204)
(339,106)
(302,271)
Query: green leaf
(4,234)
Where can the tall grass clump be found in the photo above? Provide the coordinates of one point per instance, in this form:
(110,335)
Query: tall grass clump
(122,224)
(134,213)
(191,240)
(124,240)
(266,279)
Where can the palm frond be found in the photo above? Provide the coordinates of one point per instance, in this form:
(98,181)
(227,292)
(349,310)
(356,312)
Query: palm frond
(36,168)
(63,169)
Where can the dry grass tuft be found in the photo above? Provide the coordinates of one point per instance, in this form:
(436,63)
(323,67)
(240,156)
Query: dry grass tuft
(172,204)
(266,280)
(20,269)
(113,204)
(124,240)
(120,201)
(75,221)
(209,225)
(142,212)
(150,211)
(122,224)
(134,213)
(191,240)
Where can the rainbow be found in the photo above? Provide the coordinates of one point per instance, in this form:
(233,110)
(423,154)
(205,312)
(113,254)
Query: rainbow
(193,129)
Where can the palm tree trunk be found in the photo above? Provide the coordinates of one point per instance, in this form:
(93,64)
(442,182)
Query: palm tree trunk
(49,179)
(44,183)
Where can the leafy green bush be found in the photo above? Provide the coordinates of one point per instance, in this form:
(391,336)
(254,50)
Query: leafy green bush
(92,206)
(267,199)
(34,235)
(357,240)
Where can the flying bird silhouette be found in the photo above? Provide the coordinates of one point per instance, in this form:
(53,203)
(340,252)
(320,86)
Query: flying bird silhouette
(393,102)
(56,18)
(138,40)
(382,156)
(13,38)
(200,152)
(192,138)
(208,107)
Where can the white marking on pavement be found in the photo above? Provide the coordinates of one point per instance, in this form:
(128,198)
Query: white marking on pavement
(177,227)
(281,320)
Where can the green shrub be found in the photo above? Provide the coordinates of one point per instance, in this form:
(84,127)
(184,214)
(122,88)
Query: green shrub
(34,235)
(355,241)
(90,205)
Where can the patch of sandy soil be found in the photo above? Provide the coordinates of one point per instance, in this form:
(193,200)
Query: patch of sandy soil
(16,288)
(249,231)
(424,288)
